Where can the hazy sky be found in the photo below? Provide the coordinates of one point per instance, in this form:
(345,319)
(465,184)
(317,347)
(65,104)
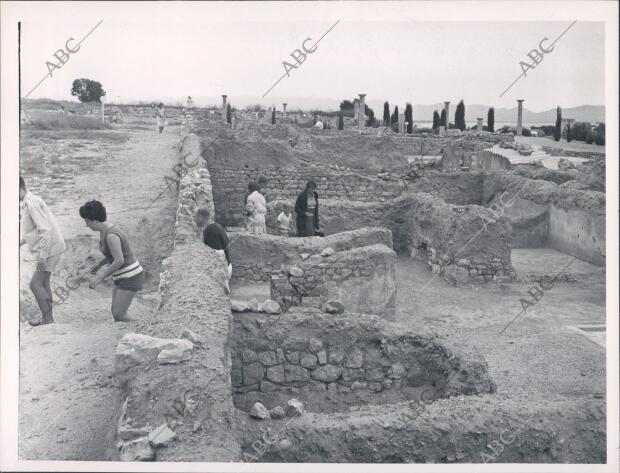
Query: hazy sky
(418,62)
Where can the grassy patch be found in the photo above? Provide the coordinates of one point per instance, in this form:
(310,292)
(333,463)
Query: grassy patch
(52,120)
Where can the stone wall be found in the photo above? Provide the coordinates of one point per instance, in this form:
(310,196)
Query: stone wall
(576,218)
(195,190)
(555,151)
(462,188)
(362,279)
(491,161)
(230,187)
(256,257)
(309,353)
(429,144)
(462,243)
(187,395)
(342,216)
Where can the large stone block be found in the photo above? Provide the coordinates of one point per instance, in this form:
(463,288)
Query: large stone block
(136,349)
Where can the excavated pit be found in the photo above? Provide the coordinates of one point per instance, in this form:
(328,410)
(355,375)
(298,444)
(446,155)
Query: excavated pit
(332,363)
(373,391)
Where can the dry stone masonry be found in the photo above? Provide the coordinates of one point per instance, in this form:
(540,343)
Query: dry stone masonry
(361,279)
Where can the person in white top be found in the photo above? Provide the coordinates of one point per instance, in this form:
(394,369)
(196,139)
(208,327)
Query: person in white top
(40,231)
(256,210)
(285,221)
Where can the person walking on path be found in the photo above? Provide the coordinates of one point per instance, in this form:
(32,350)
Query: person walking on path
(307,211)
(41,232)
(122,265)
(256,210)
(213,235)
(161,117)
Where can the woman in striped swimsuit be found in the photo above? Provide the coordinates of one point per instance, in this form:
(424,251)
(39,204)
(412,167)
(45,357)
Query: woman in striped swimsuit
(122,265)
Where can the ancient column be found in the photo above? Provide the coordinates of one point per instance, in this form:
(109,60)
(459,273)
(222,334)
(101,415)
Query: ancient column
(479,124)
(401,123)
(284,110)
(356,108)
(224,106)
(519,117)
(361,120)
(446,107)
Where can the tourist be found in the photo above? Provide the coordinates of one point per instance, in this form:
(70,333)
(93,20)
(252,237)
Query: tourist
(256,209)
(122,265)
(42,234)
(161,117)
(307,211)
(284,221)
(262,184)
(190,103)
(213,235)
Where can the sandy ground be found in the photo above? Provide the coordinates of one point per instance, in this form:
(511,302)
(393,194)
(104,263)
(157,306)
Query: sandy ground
(537,357)
(68,397)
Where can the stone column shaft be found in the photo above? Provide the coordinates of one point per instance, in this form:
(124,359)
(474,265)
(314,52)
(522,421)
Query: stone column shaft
(519,117)
(362,112)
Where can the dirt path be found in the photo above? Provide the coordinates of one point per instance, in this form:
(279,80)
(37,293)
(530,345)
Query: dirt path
(68,397)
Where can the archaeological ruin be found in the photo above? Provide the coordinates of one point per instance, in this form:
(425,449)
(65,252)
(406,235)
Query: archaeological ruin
(314,355)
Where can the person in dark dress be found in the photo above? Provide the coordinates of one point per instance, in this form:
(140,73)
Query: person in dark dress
(307,211)
(213,235)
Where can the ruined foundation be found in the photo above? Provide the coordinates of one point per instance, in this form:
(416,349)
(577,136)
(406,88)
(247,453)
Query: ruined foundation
(358,387)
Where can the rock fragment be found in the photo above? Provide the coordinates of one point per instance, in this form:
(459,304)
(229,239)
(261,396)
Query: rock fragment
(239,306)
(277,412)
(333,307)
(271,307)
(162,436)
(138,450)
(327,252)
(259,411)
(294,407)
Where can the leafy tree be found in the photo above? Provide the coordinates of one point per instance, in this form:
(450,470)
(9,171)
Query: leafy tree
(346,105)
(409,118)
(87,90)
(557,134)
(442,120)
(386,113)
(273,116)
(459,116)
(228,114)
(436,120)
(340,121)
(491,119)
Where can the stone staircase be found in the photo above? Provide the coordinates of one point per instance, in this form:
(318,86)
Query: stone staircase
(538,154)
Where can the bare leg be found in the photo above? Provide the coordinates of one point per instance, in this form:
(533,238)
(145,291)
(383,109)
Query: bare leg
(40,287)
(121,300)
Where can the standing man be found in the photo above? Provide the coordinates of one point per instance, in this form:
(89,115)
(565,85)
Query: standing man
(213,235)
(40,231)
